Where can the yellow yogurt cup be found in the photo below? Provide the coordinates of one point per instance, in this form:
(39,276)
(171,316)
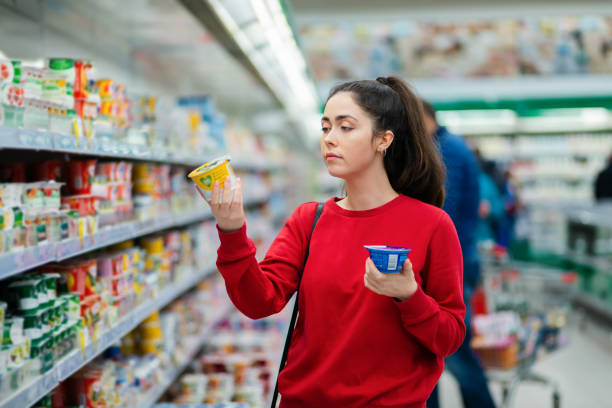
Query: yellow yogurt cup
(215,170)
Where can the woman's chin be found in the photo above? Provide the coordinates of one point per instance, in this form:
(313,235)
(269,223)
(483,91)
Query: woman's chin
(335,173)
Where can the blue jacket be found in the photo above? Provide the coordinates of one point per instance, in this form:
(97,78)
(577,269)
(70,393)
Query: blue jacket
(462,190)
(488,228)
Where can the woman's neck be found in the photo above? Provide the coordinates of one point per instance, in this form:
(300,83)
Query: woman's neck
(367,191)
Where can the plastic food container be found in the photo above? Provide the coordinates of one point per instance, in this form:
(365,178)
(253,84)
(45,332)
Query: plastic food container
(13,330)
(41,290)
(388,259)
(51,195)
(194,385)
(45,316)
(25,294)
(33,195)
(32,324)
(73,302)
(151,332)
(84,204)
(142,171)
(73,279)
(80,176)
(151,346)
(207,174)
(10,194)
(62,68)
(105,267)
(51,284)
(153,245)
(48,170)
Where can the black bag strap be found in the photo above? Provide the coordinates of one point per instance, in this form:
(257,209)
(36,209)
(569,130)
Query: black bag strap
(295,308)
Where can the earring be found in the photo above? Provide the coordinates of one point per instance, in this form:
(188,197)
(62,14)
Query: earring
(384,152)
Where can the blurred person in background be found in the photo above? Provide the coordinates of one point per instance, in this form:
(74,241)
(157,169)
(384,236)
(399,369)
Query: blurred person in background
(491,208)
(462,205)
(603,182)
(511,208)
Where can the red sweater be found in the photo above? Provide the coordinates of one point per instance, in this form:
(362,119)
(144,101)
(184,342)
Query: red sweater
(352,347)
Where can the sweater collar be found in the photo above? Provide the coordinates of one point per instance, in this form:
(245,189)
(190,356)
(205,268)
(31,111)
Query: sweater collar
(332,204)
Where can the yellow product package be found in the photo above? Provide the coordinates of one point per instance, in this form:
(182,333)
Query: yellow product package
(215,170)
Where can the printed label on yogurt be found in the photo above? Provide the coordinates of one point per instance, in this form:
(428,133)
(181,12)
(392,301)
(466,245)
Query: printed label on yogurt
(392,265)
(33,333)
(28,303)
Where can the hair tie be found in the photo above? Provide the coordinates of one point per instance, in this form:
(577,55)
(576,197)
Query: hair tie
(385,81)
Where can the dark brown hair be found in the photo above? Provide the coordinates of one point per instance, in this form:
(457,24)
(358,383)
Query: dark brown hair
(428,109)
(412,161)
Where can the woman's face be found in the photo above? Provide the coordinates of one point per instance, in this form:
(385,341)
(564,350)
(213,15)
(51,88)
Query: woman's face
(347,145)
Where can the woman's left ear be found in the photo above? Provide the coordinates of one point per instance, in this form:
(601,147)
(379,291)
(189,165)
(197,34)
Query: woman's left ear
(387,139)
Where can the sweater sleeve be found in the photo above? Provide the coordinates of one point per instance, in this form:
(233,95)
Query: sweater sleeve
(262,289)
(435,313)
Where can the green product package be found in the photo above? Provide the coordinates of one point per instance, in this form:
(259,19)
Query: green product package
(45,320)
(17,217)
(32,324)
(51,283)
(61,64)
(16,72)
(25,294)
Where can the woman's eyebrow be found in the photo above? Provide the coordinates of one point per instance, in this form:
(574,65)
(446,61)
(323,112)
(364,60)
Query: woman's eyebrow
(339,118)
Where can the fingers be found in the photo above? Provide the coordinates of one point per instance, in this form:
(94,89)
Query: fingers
(372,271)
(237,202)
(215,194)
(407,268)
(372,277)
(227,192)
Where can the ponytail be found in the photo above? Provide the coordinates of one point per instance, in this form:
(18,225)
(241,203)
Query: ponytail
(412,161)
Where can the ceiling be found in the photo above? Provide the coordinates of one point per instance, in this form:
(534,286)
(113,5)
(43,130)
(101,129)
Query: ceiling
(153,46)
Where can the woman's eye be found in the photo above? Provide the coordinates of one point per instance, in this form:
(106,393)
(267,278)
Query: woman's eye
(324,129)
(346,128)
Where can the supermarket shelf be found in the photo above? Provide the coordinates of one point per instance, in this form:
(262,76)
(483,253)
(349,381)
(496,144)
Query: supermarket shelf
(30,394)
(16,262)
(40,140)
(159,389)
(19,261)
(602,263)
(596,308)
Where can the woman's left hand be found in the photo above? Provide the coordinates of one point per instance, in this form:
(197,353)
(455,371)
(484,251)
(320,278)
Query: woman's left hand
(396,285)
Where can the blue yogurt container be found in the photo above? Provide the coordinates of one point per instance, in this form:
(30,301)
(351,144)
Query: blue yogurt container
(388,259)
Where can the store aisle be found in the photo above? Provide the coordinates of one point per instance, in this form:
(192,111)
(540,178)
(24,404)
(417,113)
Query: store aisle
(583,369)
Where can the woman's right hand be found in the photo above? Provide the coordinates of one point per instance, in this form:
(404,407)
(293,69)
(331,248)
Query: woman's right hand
(228,213)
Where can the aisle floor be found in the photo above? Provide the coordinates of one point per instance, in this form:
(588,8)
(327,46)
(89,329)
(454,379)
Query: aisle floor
(583,370)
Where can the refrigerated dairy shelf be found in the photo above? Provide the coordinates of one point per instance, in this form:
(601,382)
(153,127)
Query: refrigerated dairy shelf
(41,386)
(158,390)
(15,262)
(41,140)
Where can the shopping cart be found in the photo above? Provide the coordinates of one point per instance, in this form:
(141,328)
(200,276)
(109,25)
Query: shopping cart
(528,309)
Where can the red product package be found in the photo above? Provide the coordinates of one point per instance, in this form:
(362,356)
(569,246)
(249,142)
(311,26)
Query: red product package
(13,172)
(59,396)
(87,387)
(91,271)
(48,170)
(117,265)
(74,276)
(80,176)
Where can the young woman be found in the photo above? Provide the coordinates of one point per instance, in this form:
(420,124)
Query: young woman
(363,338)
